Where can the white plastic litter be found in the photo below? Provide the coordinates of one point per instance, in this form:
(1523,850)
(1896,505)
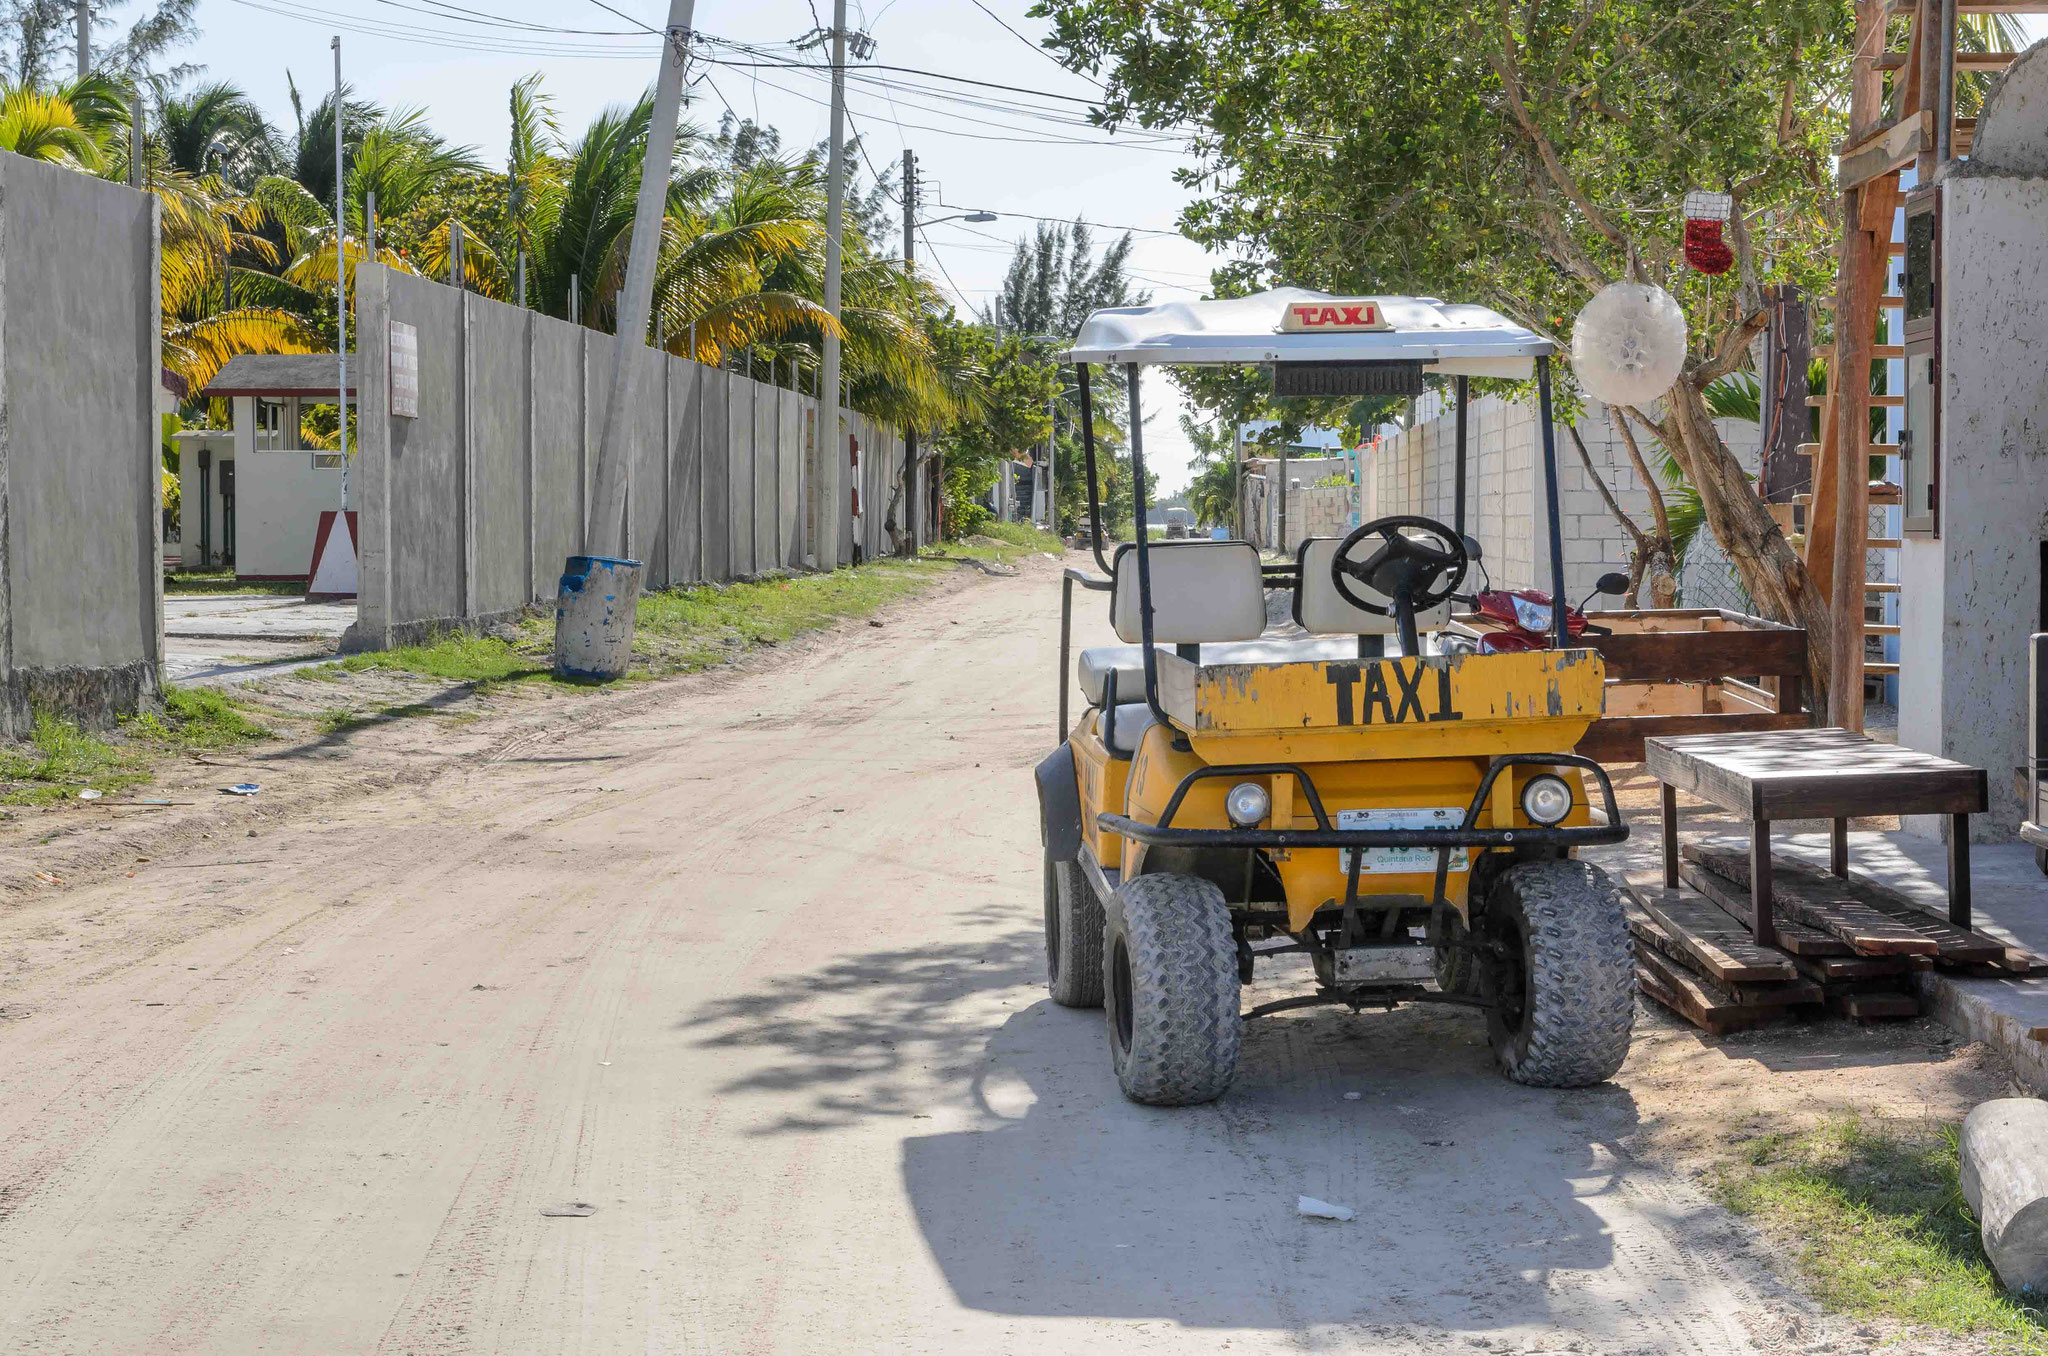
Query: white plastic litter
(242,789)
(1628,344)
(1353,1096)
(1315,1209)
(88,794)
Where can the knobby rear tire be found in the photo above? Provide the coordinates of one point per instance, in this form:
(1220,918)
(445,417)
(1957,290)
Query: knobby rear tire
(1171,991)
(1561,975)
(1073,937)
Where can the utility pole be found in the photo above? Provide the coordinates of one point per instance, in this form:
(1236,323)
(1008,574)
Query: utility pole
(340,281)
(833,442)
(605,530)
(910,430)
(84,8)
(593,636)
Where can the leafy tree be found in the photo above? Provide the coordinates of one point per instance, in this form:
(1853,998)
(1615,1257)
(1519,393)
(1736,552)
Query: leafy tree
(1017,388)
(1522,155)
(1212,494)
(36,39)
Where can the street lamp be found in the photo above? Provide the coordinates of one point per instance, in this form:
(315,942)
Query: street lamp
(979,218)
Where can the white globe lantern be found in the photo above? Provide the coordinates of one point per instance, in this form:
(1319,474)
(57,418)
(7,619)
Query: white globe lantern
(1628,344)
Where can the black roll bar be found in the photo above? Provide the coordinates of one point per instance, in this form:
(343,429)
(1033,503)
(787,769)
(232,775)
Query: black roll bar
(1560,631)
(1094,488)
(1458,512)
(1142,532)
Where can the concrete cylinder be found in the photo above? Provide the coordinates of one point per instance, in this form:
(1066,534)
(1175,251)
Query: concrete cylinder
(594,610)
(2004,1153)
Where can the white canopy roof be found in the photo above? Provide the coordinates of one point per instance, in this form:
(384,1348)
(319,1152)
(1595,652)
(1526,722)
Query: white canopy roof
(1455,340)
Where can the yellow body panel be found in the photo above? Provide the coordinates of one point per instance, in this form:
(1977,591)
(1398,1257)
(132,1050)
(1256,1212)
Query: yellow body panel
(1371,734)
(1433,706)
(1102,780)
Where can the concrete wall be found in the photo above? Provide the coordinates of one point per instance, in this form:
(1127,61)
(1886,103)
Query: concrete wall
(1506,510)
(1970,598)
(81,582)
(469,510)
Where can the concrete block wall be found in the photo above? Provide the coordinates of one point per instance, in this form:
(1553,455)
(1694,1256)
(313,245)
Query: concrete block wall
(1415,472)
(81,547)
(469,510)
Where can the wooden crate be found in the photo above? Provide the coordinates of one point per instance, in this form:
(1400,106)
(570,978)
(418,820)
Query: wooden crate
(1678,671)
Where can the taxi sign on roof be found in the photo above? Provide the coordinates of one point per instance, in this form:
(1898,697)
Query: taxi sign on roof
(1332,315)
(1296,325)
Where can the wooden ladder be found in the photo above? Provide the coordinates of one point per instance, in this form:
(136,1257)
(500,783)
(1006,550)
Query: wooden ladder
(1921,130)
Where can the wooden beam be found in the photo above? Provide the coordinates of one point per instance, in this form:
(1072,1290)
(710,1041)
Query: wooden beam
(1876,351)
(1965,61)
(1885,150)
(1901,8)
(1840,518)
(1888,402)
(1881,492)
(1876,449)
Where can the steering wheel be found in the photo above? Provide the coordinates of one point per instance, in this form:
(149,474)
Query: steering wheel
(1404,568)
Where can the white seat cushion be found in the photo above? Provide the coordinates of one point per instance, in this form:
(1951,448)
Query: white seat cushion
(1128,661)
(1201,591)
(1132,720)
(1320,609)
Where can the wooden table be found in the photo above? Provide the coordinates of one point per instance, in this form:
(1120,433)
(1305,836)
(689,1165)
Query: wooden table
(1836,775)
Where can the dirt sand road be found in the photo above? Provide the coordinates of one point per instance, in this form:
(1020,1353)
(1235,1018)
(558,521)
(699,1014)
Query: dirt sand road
(753,969)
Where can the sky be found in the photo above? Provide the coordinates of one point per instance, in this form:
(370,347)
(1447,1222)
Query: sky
(459,58)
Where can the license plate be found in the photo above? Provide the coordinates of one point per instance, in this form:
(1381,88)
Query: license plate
(1404,860)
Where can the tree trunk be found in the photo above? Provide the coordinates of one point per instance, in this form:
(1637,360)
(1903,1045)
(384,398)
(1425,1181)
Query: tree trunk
(1741,522)
(1661,569)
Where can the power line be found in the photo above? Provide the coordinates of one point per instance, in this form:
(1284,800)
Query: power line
(627,17)
(1034,46)
(1041,140)
(1068,221)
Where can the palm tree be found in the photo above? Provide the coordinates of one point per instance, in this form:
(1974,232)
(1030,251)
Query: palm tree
(217,130)
(46,127)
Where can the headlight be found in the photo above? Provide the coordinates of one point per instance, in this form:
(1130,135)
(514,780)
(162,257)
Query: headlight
(1247,804)
(1546,799)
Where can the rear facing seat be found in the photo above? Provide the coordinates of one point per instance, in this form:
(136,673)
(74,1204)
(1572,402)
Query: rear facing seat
(1128,661)
(1334,624)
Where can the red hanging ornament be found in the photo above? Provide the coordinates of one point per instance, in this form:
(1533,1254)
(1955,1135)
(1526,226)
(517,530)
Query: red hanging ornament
(1704,248)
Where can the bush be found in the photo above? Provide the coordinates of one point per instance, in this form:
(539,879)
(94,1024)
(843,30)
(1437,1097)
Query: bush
(967,519)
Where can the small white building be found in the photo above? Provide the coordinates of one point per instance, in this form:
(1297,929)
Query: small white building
(252,497)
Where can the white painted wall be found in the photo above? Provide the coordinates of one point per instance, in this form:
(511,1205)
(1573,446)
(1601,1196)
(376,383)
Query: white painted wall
(1973,596)
(279,496)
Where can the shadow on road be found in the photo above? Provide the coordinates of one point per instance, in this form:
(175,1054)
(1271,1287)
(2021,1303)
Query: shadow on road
(1472,1194)
(1482,1206)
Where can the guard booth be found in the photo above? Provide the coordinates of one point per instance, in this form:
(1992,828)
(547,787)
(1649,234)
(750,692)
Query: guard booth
(258,499)
(1974,447)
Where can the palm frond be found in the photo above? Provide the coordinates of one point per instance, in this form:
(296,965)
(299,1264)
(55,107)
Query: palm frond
(197,351)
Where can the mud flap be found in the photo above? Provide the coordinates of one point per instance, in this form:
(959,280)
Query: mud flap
(1059,805)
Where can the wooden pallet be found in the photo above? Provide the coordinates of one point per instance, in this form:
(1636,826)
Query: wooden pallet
(1681,991)
(1709,939)
(1816,904)
(1952,947)
(1701,962)
(1794,938)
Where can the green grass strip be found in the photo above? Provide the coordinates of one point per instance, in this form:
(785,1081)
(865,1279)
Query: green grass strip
(1877,1224)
